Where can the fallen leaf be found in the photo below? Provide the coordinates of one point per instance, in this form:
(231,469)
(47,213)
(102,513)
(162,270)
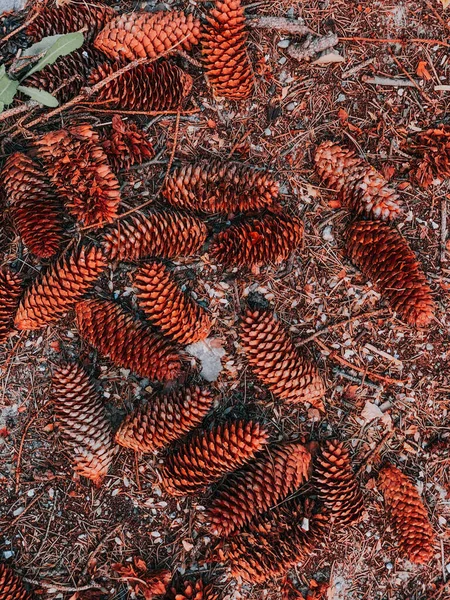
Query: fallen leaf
(422,70)
(330,57)
(445,3)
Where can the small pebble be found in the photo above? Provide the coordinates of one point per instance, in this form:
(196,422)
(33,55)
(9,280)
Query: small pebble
(284,44)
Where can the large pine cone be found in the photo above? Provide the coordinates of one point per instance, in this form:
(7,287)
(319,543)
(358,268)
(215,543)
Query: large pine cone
(224,48)
(11,587)
(10,293)
(164,419)
(127,145)
(35,208)
(81,418)
(277,362)
(64,283)
(144,34)
(407,514)
(362,189)
(192,591)
(383,256)
(210,454)
(116,334)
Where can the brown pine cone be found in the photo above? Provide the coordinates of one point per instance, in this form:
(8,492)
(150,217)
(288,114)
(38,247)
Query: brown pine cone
(165,305)
(127,145)
(11,586)
(35,208)
(159,234)
(192,591)
(432,148)
(10,293)
(159,86)
(116,334)
(209,455)
(224,48)
(164,419)
(220,187)
(144,34)
(383,256)
(277,362)
(64,283)
(81,418)
(362,189)
(255,241)
(407,514)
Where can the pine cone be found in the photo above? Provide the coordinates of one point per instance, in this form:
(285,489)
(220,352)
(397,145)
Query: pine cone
(11,587)
(116,334)
(192,591)
(64,283)
(336,484)
(432,147)
(363,190)
(165,305)
(81,418)
(127,145)
(383,256)
(164,419)
(257,241)
(160,86)
(208,455)
(143,34)
(277,362)
(407,514)
(10,292)
(224,48)
(160,234)
(35,208)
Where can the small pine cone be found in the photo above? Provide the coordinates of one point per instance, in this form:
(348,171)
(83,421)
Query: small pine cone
(432,148)
(362,188)
(255,241)
(10,293)
(220,187)
(192,591)
(209,455)
(144,34)
(35,208)
(11,586)
(159,234)
(127,145)
(116,334)
(64,283)
(277,362)
(383,256)
(165,305)
(164,419)
(81,418)
(224,48)
(407,514)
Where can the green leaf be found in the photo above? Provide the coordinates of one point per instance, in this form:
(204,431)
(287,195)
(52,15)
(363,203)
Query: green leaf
(41,46)
(39,95)
(2,70)
(8,88)
(64,45)
(2,106)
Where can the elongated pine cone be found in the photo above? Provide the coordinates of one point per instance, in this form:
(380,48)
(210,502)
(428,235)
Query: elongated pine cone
(257,241)
(362,189)
(192,591)
(407,514)
(116,334)
(277,362)
(260,485)
(224,48)
(336,484)
(383,256)
(165,305)
(164,419)
(11,586)
(159,234)
(35,208)
(127,145)
(144,34)
(10,293)
(81,418)
(159,86)
(64,283)
(220,187)
(432,148)
(210,454)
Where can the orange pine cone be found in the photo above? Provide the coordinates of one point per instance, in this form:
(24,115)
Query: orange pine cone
(383,256)
(127,145)
(224,48)
(116,334)
(188,590)
(11,586)
(10,293)
(64,283)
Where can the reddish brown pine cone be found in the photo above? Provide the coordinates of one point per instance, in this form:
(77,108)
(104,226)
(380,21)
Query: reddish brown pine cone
(363,190)
(116,334)
(432,147)
(165,305)
(11,587)
(35,208)
(192,591)
(208,455)
(220,187)
(224,48)
(407,514)
(164,419)
(277,362)
(144,34)
(81,418)
(64,283)
(257,241)
(10,293)
(384,257)
(127,145)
